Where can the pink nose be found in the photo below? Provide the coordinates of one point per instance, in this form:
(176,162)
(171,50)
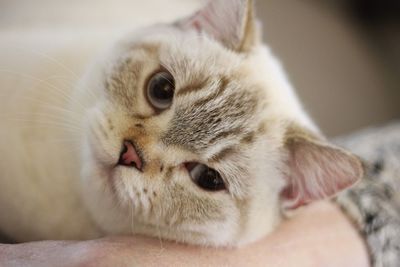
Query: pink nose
(129,156)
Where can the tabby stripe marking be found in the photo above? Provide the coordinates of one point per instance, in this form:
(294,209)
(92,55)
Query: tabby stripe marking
(225,134)
(223,82)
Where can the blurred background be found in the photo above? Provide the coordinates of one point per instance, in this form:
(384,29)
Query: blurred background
(343,56)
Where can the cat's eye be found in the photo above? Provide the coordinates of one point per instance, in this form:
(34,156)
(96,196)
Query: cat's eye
(160,90)
(205,177)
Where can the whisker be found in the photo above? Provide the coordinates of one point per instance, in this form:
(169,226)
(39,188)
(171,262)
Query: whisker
(43,115)
(159,237)
(62,140)
(51,59)
(61,93)
(132,217)
(46,105)
(58,124)
(57,118)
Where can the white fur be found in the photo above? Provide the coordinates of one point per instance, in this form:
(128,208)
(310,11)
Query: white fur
(44,184)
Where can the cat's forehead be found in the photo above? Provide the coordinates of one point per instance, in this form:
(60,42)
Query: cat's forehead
(215,101)
(187,55)
(194,58)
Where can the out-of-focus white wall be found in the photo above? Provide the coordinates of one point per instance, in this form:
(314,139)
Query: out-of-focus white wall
(90,14)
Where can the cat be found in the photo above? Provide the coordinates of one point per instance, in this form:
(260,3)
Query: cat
(196,136)
(188,131)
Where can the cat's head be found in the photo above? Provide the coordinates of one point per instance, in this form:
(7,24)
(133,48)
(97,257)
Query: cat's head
(195,134)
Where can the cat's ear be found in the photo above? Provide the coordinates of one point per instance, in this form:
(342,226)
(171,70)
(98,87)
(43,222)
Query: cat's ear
(231,22)
(316,169)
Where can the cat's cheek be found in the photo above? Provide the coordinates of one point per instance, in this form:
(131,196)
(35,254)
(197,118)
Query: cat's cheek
(217,233)
(103,143)
(99,198)
(127,184)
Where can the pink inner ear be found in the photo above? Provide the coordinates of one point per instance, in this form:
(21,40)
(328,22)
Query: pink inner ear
(194,21)
(318,171)
(201,21)
(222,20)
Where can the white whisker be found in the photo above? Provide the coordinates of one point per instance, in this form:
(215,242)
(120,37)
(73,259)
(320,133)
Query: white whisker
(132,217)
(57,124)
(51,59)
(46,105)
(56,89)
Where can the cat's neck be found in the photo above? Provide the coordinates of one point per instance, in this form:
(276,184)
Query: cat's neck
(42,145)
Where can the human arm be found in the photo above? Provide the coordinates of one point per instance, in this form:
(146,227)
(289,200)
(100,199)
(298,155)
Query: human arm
(319,235)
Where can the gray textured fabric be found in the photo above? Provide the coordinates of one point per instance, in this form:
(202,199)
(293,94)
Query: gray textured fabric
(374,203)
(376,144)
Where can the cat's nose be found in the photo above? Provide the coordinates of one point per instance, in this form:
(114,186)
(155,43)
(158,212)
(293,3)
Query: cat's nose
(130,156)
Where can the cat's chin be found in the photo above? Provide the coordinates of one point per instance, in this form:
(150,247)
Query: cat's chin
(107,206)
(114,196)
(219,238)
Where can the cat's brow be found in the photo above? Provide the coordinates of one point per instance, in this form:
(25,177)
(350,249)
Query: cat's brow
(192,87)
(201,84)
(147,47)
(223,154)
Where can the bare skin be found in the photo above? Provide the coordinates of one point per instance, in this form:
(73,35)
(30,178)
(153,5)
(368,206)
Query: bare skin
(318,235)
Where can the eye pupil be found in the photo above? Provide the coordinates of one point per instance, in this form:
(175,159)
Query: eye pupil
(160,91)
(205,177)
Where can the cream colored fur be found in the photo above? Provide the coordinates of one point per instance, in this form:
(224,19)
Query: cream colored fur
(56,168)
(42,57)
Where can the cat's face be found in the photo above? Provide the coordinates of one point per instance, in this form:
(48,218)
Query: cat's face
(187,134)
